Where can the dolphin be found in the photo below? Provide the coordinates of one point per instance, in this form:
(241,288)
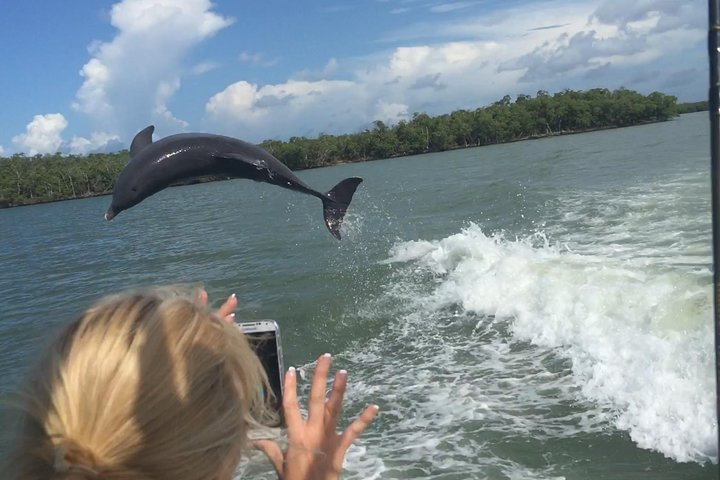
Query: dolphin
(154,166)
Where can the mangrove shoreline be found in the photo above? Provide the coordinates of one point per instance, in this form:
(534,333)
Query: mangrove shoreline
(55,177)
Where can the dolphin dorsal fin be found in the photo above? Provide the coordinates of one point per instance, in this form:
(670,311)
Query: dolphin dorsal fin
(141,140)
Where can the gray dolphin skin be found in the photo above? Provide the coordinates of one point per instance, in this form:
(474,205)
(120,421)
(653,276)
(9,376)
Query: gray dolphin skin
(154,166)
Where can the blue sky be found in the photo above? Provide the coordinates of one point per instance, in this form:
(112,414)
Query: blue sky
(86,75)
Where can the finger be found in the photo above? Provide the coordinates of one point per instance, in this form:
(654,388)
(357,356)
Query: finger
(353,431)
(316,402)
(293,419)
(334,404)
(273,452)
(227,308)
(202,297)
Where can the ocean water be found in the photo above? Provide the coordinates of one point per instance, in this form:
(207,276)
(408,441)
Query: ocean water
(536,310)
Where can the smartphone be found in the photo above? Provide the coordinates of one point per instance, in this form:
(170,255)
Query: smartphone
(264,336)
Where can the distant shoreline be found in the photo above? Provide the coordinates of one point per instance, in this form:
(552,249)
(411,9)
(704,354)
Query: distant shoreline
(348,162)
(49,178)
(43,202)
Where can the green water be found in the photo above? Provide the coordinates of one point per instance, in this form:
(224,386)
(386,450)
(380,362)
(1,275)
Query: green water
(534,310)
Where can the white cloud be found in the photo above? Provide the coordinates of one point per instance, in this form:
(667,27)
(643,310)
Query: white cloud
(391,113)
(617,40)
(507,24)
(555,45)
(92,97)
(2,150)
(165,90)
(42,134)
(383,92)
(297,107)
(644,16)
(98,141)
(424,78)
(130,80)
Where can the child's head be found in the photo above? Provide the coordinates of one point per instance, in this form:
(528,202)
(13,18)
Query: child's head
(146,384)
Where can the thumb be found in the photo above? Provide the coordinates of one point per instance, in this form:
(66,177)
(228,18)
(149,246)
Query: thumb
(274,454)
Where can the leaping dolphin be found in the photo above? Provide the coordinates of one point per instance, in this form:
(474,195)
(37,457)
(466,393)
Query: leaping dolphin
(155,166)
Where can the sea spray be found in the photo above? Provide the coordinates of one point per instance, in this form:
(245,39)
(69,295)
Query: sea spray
(637,340)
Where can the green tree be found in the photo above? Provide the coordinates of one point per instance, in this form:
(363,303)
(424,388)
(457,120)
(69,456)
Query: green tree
(42,178)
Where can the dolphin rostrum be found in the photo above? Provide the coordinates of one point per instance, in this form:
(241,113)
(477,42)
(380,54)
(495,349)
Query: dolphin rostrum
(155,166)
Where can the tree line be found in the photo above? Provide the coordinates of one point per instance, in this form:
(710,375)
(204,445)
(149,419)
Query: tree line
(692,107)
(51,177)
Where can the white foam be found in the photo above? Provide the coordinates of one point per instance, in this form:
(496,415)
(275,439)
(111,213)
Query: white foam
(639,339)
(654,224)
(503,357)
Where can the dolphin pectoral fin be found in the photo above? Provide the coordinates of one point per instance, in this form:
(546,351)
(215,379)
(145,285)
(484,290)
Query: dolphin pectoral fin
(336,203)
(141,140)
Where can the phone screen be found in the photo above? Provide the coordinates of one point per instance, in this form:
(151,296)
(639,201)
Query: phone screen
(266,347)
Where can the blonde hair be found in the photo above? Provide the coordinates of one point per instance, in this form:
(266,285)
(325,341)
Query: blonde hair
(143,385)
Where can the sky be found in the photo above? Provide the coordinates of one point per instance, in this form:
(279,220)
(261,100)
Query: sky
(85,76)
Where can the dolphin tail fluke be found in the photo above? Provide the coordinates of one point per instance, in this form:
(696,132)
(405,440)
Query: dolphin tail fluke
(336,202)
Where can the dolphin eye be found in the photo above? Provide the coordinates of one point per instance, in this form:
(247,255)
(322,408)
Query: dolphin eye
(134,189)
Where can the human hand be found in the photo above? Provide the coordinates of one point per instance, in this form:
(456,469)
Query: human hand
(226,309)
(315,450)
